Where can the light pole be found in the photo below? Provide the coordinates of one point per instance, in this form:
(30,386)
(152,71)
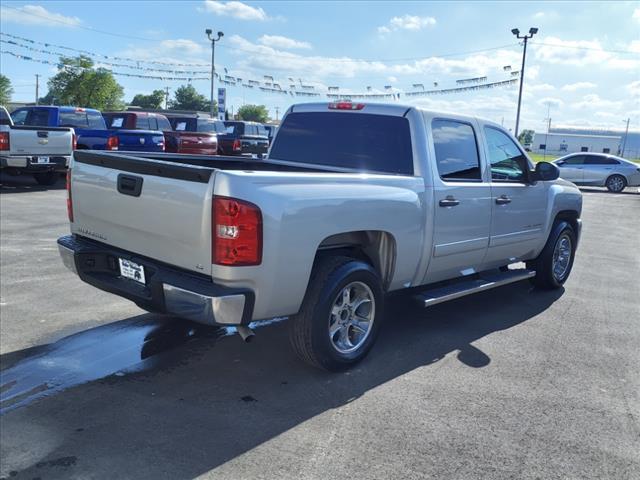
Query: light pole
(624,142)
(516,32)
(209,33)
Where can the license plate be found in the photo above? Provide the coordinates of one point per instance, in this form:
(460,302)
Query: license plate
(132,270)
(40,160)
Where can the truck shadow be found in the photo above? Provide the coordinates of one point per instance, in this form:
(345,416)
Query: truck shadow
(213,399)
(26,183)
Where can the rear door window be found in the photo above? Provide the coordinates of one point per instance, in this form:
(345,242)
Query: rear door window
(38,118)
(600,160)
(4,117)
(96,121)
(19,117)
(142,122)
(358,141)
(163,124)
(456,150)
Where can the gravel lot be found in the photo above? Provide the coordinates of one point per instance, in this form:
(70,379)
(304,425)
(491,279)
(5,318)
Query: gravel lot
(510,383)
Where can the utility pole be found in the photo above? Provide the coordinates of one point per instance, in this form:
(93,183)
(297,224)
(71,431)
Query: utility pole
(277,111)
(624,142)
(166,98)
(37,88)
(209,33)
(516,32)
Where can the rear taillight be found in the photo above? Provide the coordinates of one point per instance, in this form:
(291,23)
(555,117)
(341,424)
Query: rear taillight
(4,141)
(113,143)
(74,141)
(237,146)
(346,106)
(237,232)
(69,201)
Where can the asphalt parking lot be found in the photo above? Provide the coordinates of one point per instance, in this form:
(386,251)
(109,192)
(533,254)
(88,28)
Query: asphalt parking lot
(510,383)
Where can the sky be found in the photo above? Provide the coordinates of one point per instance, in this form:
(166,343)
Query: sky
(583,65)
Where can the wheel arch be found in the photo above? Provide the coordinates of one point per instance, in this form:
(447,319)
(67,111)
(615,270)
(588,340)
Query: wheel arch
(375,247)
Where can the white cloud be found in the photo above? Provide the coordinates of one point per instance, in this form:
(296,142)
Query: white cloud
(267,58)
(37,15)
(407,22)
(572,87)
(235,9)
(181,45)
(538,15)
(278,41)
(392,79)
(542,87)
(593,101)
(550,101)
(581,53)
(634,88)
(636,15)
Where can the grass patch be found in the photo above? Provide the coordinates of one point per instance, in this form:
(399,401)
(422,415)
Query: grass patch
(540,157)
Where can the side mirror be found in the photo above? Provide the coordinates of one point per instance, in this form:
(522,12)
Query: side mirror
(545,172)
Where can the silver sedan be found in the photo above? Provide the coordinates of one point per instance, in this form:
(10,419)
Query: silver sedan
(599,170)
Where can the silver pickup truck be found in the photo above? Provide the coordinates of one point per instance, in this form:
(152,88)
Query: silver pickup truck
(43,152)
(353,201)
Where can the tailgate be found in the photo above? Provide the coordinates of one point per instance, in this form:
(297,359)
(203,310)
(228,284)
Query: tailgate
(197,142)
(169,220)
(41,141)
(137,141)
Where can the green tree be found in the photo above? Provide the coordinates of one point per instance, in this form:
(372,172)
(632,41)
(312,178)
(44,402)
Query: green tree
(526,136)
(79,83)
(187,97)
(253,113)
(5,90)
(155,100)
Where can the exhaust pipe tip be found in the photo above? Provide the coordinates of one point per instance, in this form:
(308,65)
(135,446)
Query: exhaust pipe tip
(245,333)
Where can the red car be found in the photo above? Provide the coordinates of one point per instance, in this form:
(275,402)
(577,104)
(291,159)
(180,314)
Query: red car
(183,133)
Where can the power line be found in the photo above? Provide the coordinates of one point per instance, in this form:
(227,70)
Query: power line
(575,47)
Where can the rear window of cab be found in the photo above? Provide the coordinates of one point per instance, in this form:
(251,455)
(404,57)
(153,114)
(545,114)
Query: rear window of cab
(355,141)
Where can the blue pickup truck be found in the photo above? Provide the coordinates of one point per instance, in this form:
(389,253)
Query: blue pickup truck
(90,128)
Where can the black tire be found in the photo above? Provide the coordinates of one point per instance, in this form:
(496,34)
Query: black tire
(46,178)
(309,328)
(616,183)
(543,264)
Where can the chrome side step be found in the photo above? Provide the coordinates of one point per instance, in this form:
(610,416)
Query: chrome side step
(487,281)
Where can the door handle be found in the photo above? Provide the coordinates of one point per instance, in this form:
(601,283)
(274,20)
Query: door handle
(503,200)
(450,201)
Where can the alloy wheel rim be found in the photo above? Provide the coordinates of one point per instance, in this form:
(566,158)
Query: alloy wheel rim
(561,257)
(351,318)
(616,183)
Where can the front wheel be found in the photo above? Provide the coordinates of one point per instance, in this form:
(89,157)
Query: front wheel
(616,183)
(46,178)
(555,262)
(340,315)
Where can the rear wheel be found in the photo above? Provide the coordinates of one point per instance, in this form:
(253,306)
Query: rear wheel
(555,262)
(46,178)
(616,183)
(340,315)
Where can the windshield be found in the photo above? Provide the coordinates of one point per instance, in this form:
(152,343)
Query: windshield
(359,141)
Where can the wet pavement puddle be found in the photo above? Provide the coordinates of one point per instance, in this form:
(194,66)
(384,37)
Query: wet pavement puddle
(122,347)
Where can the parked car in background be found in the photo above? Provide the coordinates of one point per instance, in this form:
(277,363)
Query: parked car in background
(271,132)
(43,152)
(147,127)
(194,134)
(91,129)
(599,170)
(244,138)
(353,202)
